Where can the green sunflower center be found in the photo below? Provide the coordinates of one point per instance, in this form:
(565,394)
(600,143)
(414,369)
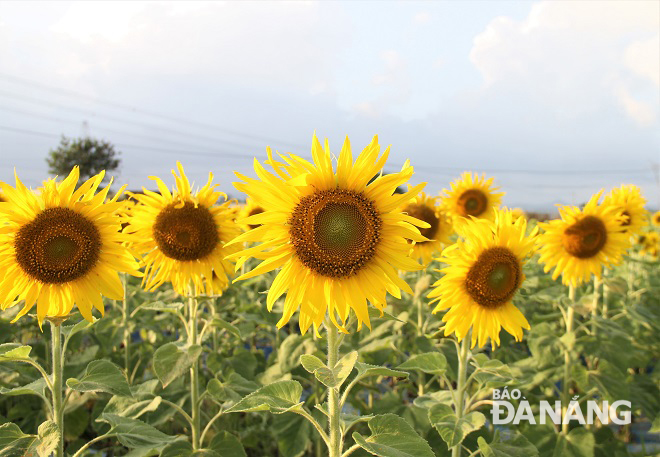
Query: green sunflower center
(58,246)
(472,202)
(494,278)
(585,238)
(426,214)
(335,232)
(185,233)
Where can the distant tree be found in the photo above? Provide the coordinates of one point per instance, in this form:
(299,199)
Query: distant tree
(90,154)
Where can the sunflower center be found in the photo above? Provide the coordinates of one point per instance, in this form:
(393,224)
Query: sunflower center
(253,211)
(335,232)
(58,246)
(426,214)
(585,238)
(472,202)
(185,233)
(494,278)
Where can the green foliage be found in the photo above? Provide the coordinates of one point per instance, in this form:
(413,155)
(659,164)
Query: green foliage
(90,154)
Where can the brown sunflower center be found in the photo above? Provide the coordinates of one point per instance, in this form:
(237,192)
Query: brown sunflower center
(472,202)
(585,238)
(494,278)
(253,211)
(185,233)
(58,246)
(426,214)
(335,232)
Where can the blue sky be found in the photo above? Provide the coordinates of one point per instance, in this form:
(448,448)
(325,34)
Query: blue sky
(554,99)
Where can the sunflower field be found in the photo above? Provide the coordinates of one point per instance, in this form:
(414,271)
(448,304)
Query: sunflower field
(331,310)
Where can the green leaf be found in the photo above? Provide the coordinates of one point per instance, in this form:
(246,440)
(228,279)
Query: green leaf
(451,429)
(293,434)
(227,445)
(429,362)
(37,387)
(426,401)
(13,442)
(128,407)
(14,351)
(69,330)
(366,370)
(279,397)
(231,328)
(170,362)
(235,388)
(344,367)
(311,363)
(161,306)
(178,448)
(134,433)
(579,442)
(517,446)
(391,436)
(491,372)
(49,438)
(655,426)
(101,376)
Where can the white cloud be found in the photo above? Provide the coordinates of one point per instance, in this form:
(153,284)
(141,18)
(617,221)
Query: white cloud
(576,57)
(393,83)
(423,17)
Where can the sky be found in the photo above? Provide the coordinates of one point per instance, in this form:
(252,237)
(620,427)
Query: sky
(555,100)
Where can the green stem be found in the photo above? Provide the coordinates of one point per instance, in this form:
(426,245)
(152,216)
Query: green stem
(461,385)
(594,306)
(194,375)
(127,333)
(565,398)
(58,410)
(421,380)
(334,408)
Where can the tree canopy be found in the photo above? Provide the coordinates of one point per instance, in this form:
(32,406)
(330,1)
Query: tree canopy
(90,154)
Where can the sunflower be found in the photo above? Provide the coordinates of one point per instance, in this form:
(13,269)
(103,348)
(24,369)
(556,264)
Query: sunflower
(250,209)
(60,247)
(650,244)
(518,212)
(471,195)
(582,241)
(183,235)
(483,274)
(337,235)
(629,201)
(425,208)
(655,219)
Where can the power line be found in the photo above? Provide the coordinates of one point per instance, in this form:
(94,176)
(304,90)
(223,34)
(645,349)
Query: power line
(132,109)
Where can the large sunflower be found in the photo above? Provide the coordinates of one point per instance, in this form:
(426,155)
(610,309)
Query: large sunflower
(337,235)
(629,201)
(582,241)
(471,195)
(183,235)
(483,274)
(60,247)
(425,208)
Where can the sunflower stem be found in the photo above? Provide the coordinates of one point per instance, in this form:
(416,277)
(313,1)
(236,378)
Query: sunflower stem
(461,385)
(127,333)
(58,409)
(334,408)
(194,374)
(570,312)
(594,305)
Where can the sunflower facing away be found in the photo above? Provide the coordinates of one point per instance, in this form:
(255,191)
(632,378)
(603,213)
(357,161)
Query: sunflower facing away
(338,237)
(655,219)
(182,236)
(60,247)
(582,241)
(483,274)
(629,201)
(425,208)
(471,195)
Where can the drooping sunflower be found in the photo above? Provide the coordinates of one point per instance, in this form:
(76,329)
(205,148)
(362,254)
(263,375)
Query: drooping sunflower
(583,241)
(629,201)
(337,235)
(471,195)
(483,274)
(61,247)
(425,208)
(655,219)
(250,209)
(183,236)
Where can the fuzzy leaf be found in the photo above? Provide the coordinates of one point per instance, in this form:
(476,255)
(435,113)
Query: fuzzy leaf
(101,376)
(391,436)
